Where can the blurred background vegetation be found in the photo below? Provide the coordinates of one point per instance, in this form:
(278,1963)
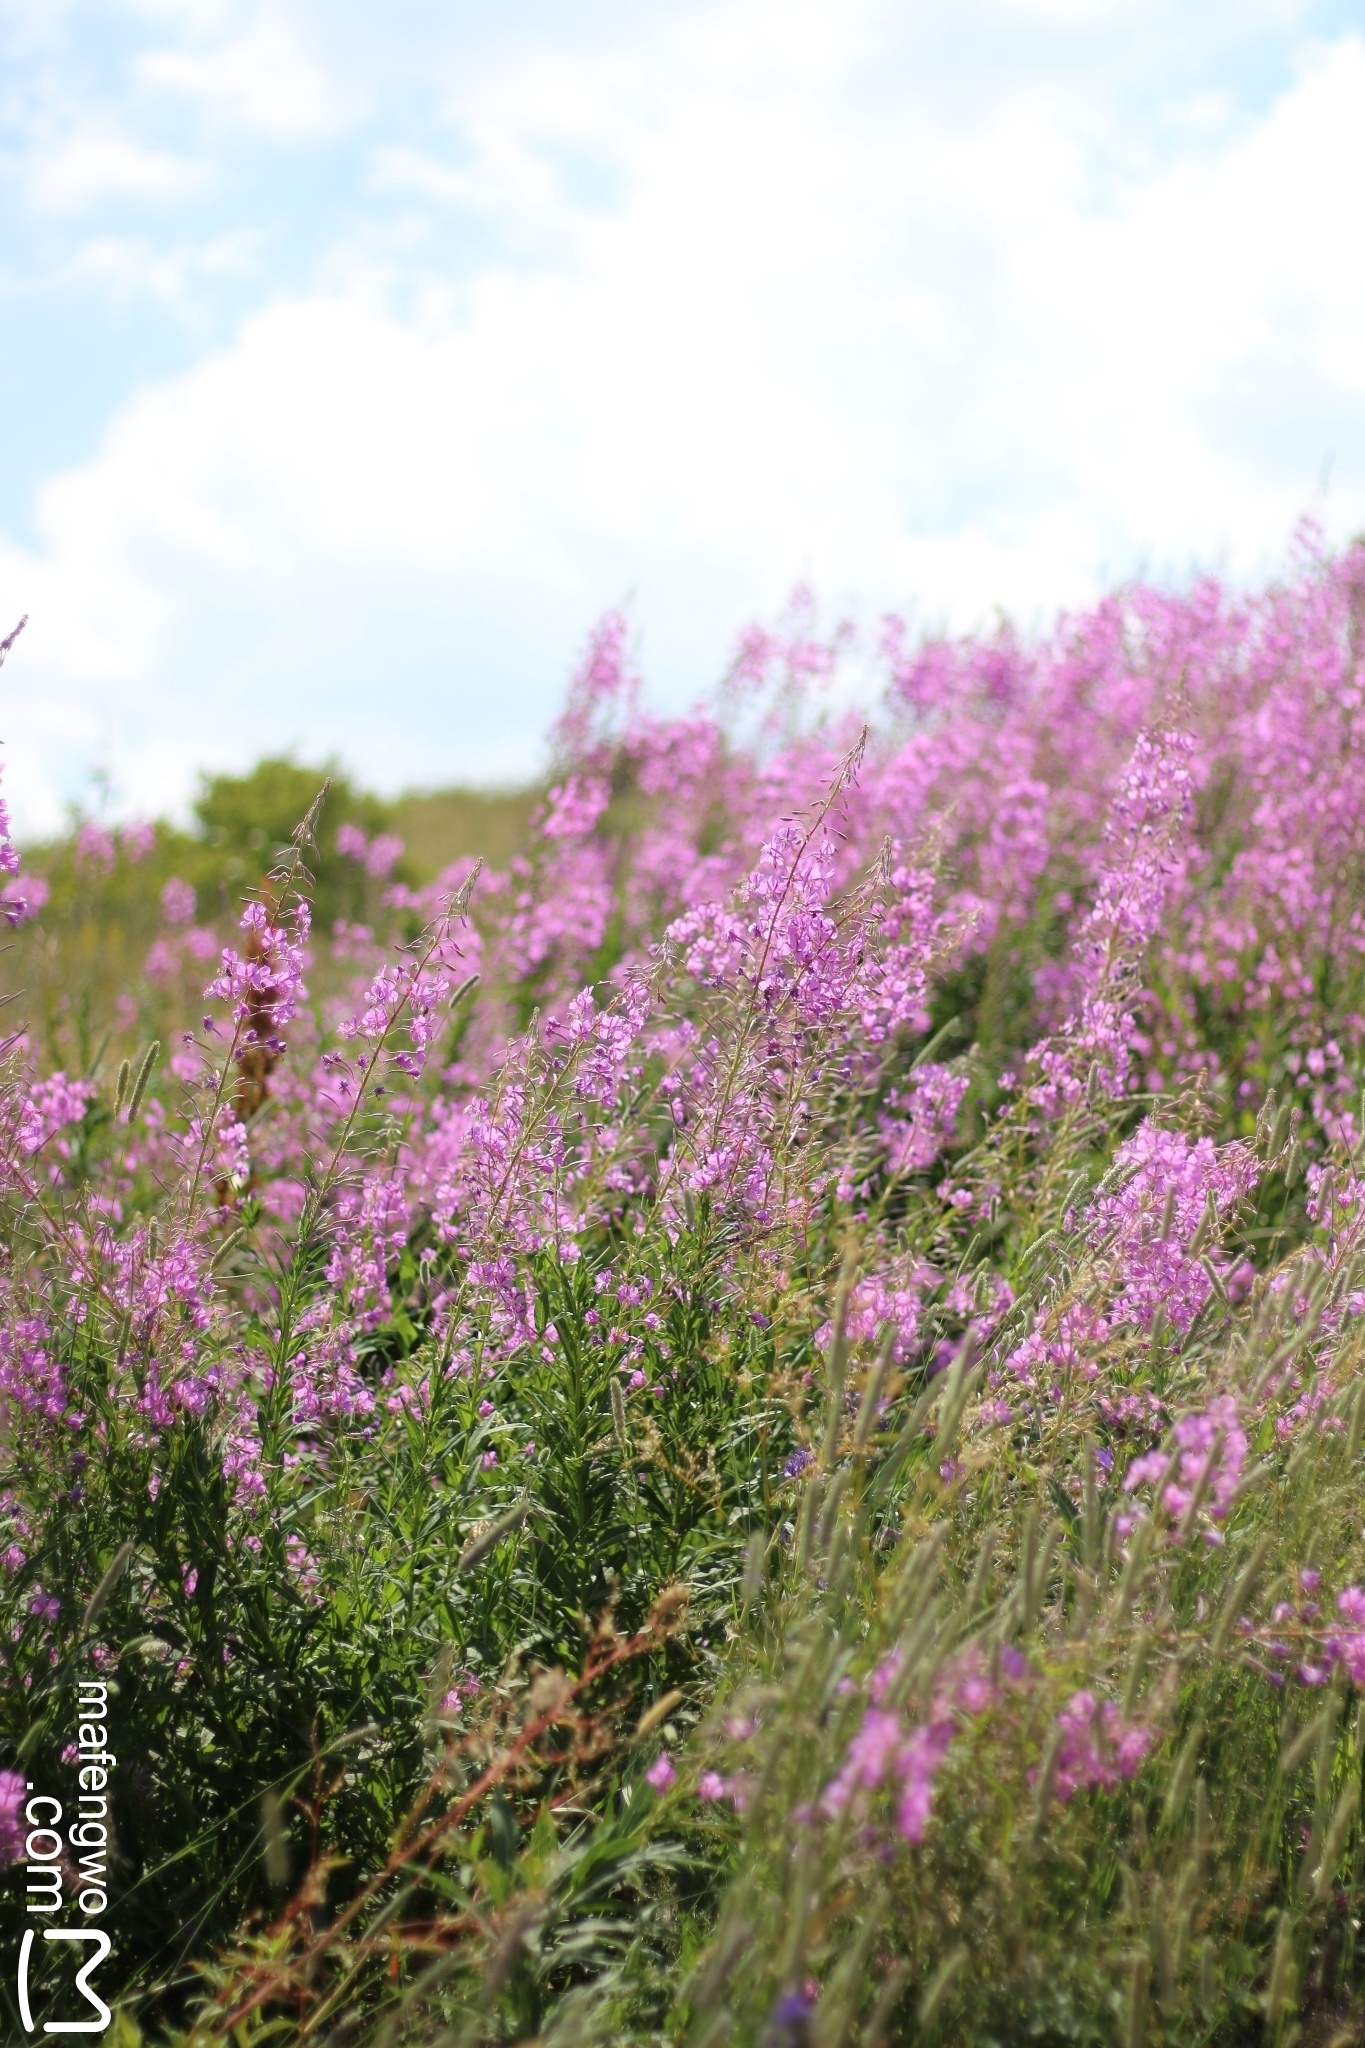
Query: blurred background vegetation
(83,955)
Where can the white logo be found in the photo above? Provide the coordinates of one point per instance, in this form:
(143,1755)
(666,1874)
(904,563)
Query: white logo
(103,1946)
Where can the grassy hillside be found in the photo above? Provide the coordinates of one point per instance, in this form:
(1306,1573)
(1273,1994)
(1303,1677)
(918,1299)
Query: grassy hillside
(444,825)
(81,963)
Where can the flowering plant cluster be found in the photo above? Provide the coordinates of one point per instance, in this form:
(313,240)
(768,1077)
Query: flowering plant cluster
(748,1426)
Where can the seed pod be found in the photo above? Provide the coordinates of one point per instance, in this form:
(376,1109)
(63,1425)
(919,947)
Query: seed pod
(1279,1130)
(805,1521)
(1181,1776)
(837,1363)
(438,1685)
(1322,1778)
(755,1555)
(469,983)
(1202,1838)
(963,1380)
(1042,1800)
(1357,1424)
(981,1574)
(917,1578)
(838,1487)
(1028,1547)
(839,1557)
(660,1711)
(940,1984)
(1162,1950)
(1317,1296)
(1207,1226)
(1186,1891)
(486,1538)
(1215,1280)
(1343,1819)
(1280,1991)
(1090,1508)
(1230,1610)
(1266,1122)
(113,1572)
(1040,1245)
(144,1075)
(872,1395)
(1308,1737)
(1135,2032)
(1040,1573)
(1133,1570)
(275,1842)
(799,1903)
(618,1419)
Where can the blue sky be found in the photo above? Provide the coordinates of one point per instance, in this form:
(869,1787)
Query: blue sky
(353,359)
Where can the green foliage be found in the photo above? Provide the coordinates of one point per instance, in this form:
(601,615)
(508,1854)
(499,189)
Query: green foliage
(244,821)
(308,1667)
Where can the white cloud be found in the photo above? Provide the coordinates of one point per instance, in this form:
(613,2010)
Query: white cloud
(94,162)
(1071,10)
(256,74)
(747,321)
(132,267)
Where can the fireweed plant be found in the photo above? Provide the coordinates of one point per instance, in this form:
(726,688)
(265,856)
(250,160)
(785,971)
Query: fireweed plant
(750,1430)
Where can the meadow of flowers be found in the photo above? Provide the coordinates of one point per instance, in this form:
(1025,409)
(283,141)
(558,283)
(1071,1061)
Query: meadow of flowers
(749,1429)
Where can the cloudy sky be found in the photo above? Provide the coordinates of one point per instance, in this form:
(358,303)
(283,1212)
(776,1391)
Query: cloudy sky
(354,358)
